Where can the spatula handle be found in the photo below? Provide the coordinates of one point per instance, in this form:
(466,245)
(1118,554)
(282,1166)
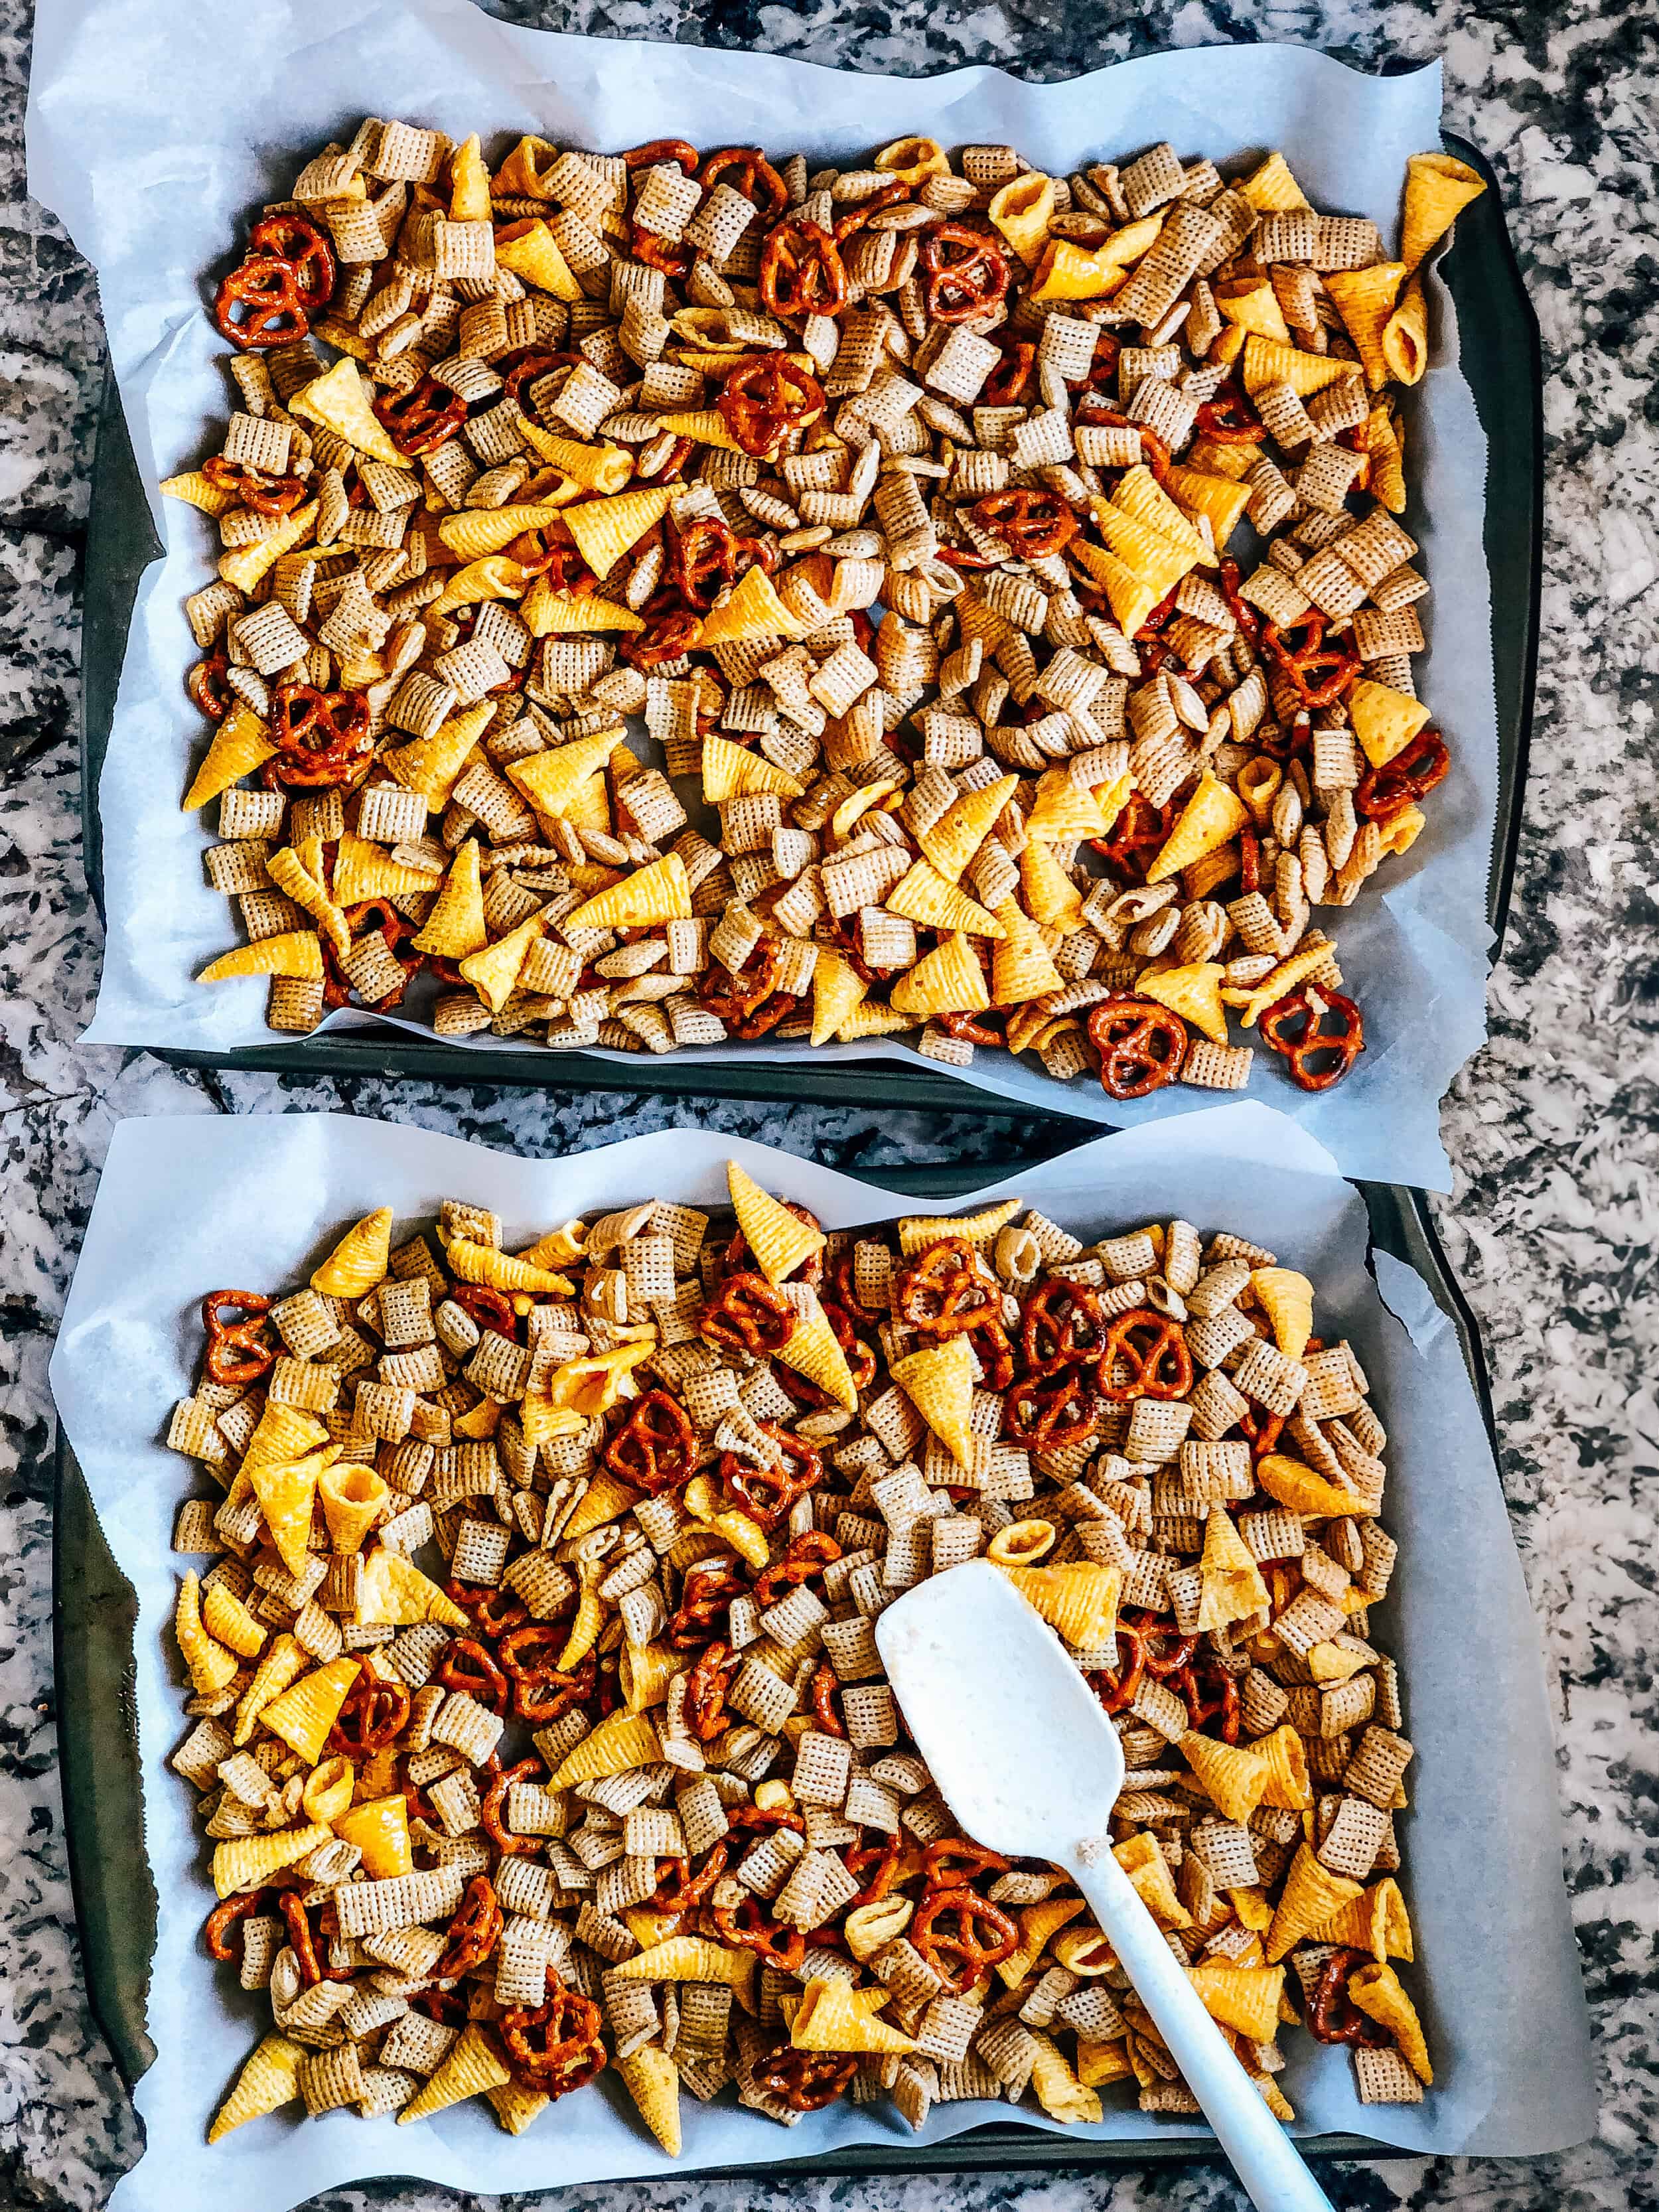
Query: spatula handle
(1266,2159)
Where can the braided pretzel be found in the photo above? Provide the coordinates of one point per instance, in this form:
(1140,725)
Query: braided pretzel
(1332,2017)
(1062,1323)
(239,1352)
(207,686)
(495,1798)
(1034,523)
(466,1666)
(672,259)
(1223,1707)
(421,419)
(659,153)
(679,1887)
(267,291)
(541,1693)
(294,238)
(1159,1367)
(322,738)
(669,635)
(293,1908)
(1318,673)
(518,370)
(1141,1045)
(473,1934)
(555,2046)
(1047,1416)
(374,1715)
(805,2081)
(967,270)
(747,1001)
(952,1863)
(491,1309)
(826,1688)
(860,212)
(259,493)
(707,1591)
(876,1866)
(963,1912)
(706,1689)
(1010,380)
(1134,840)
(746,169)
(804,1561)
(656,1448)
(762,399)
(216,1927)
(1099,415)
(947,1289)
(492,1611)
(1227,418)
(801,271)
(1294,1027)
(766,1493)
(749,1925)
(1410,776)
(748,1315)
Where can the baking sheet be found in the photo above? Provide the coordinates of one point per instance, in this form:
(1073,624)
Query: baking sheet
(152,132)
(1499,1981)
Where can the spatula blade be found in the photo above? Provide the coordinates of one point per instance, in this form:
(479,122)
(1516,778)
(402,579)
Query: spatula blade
(1016,1740)
(1031,1766)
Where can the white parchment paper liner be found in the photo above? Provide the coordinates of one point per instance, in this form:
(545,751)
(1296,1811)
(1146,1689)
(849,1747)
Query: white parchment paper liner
(153,130)
(185,1204)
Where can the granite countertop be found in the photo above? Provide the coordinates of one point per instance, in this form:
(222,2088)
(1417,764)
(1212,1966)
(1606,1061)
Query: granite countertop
(1550,1128)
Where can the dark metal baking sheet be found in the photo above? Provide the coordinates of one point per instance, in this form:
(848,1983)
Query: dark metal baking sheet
(1501,358)
(94,1615)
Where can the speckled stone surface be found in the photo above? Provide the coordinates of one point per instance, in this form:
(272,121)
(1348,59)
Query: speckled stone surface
(1551,1130)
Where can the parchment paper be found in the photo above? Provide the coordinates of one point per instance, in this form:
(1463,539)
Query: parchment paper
(153,130)
(1498,1977)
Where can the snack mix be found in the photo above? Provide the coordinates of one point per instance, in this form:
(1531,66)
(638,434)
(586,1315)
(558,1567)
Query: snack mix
(1007,567)
(616,1780)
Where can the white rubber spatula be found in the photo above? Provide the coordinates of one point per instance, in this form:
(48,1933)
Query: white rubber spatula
(1031,1766)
